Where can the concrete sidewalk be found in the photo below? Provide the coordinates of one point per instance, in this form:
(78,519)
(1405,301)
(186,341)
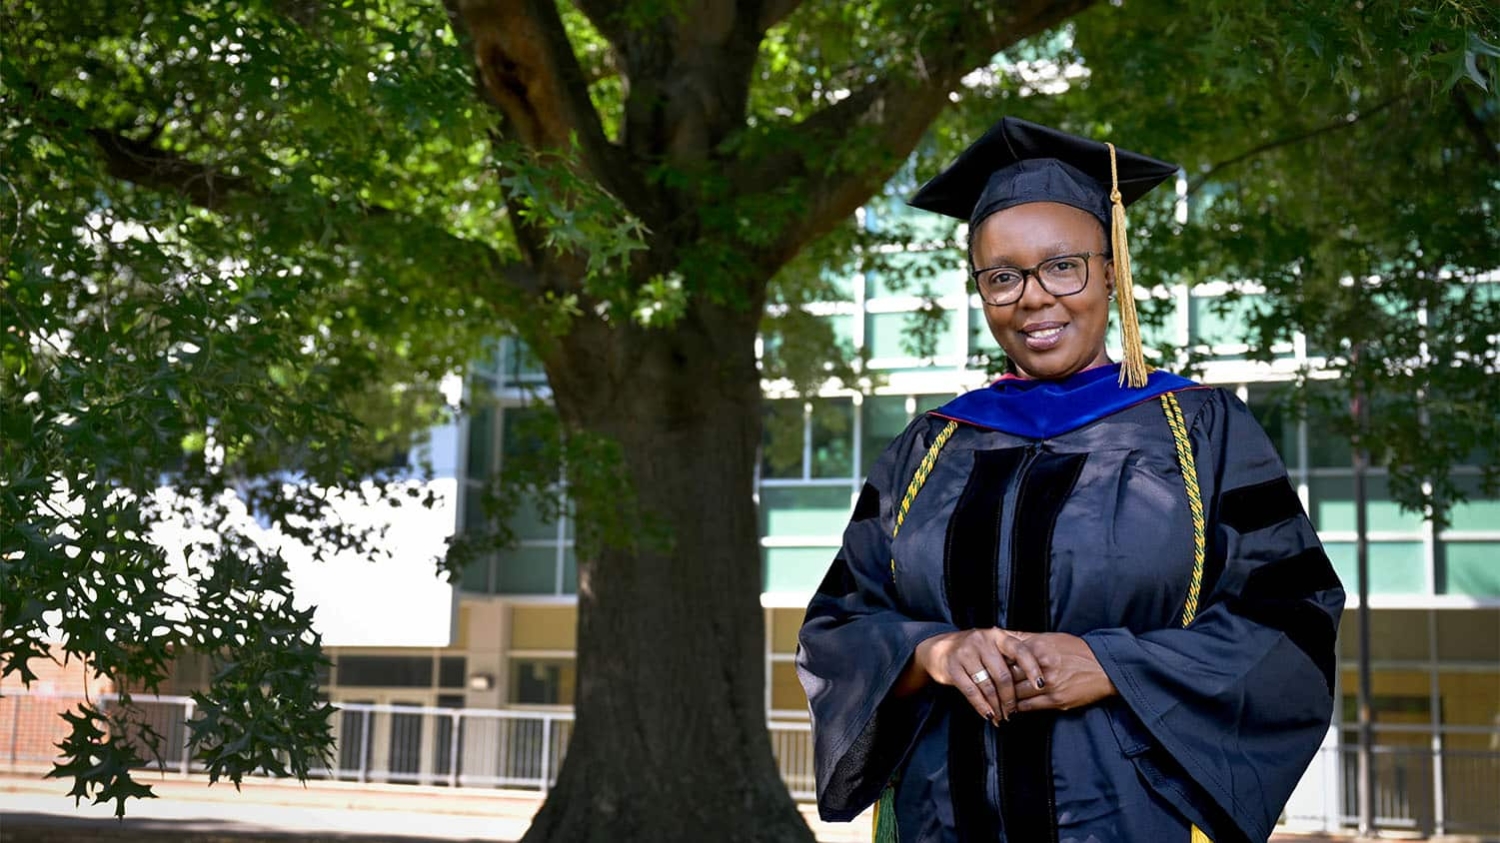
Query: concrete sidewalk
(36,809)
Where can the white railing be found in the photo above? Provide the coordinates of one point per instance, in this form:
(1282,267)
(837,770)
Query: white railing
(1429,785)
(454,747)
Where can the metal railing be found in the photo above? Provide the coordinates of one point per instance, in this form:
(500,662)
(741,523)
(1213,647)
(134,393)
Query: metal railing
(398,744)
(1429,788)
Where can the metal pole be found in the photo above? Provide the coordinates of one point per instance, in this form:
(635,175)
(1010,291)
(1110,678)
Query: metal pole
(1435,715)
(364,744)
(1359,411)
(453,749)
(187,745)
(546,753)
(15,728)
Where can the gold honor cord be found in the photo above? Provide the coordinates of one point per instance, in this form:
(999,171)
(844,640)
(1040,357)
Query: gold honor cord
(917,481)
(884,819)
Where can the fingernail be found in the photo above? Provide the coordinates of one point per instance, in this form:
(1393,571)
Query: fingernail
(1040,683)
(989,715)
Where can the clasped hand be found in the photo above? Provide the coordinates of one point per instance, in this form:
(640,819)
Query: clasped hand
(1018,671)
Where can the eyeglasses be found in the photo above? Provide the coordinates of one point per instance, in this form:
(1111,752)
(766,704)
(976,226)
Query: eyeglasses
(1064,275)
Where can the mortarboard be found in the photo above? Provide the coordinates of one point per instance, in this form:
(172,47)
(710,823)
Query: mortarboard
(1018,162)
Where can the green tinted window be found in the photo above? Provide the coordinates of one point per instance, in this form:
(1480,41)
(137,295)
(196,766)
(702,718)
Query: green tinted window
(782,439)
(804,510)
(1471,568)
(832,438)
(884,419)
(1395,567)
(526,570)
(795,569)
(1332,500)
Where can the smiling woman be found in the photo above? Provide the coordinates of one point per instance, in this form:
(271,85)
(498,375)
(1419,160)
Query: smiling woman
(1081,604)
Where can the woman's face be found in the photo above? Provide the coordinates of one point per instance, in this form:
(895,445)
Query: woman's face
(1045,336)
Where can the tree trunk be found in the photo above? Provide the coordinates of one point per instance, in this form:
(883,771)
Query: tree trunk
(670,742)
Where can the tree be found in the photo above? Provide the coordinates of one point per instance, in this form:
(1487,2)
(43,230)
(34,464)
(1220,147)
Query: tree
(625,187)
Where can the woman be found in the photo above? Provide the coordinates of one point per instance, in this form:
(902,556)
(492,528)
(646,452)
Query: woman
(1083,604)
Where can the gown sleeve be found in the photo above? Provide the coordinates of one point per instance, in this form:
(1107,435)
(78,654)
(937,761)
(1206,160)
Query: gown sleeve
(855,642)
(1234,706)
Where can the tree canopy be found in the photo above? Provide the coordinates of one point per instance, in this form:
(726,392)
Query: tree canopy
(244,242)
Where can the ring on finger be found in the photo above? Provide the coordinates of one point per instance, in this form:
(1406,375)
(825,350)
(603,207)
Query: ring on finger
(981,677)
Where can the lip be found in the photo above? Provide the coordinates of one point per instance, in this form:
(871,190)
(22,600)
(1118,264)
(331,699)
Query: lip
(1042,343)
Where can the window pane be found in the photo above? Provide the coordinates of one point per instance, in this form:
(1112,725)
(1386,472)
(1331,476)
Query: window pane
(795,569)
(570,571)
(910,274)
(1471,567)
(804,510)
(521,366)
(1479,512)
(526,521)
(526,570)
(451,671)
(782,439)
(481,460)
(384,671)
(543,681)
(832,437)
(1272,405)
(1332,500)
(524,429)
(886,335)
(1395,567)
(884,419)
(476,576)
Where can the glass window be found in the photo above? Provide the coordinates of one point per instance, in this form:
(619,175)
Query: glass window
(1273,405)
(1395,567)
(524,429)
(910,274)
(1332,500)
(889,335)
(451,671)
(1218,321)
(1470,567)
(782,439)
(570,571)
(526,570)
(521,365)
(476,576)
(1479,512)
(884,419)
(481,458)
(528,523)
(804,510)
(795,569)
(543,681)
(384,671)
(832,438)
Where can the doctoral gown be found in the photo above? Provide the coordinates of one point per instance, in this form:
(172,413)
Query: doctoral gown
(1061,507)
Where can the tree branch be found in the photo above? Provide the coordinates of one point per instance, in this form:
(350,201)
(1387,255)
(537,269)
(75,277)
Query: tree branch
(1278,143)
(529,72)
(890,115)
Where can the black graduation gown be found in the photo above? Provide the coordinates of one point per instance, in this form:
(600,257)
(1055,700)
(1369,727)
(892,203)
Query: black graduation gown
(1214,723)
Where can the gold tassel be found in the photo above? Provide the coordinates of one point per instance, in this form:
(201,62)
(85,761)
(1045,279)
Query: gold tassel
(1134,370)
(1199,836)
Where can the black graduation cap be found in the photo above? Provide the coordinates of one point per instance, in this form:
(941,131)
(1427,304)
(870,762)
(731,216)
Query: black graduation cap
(1018,161)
